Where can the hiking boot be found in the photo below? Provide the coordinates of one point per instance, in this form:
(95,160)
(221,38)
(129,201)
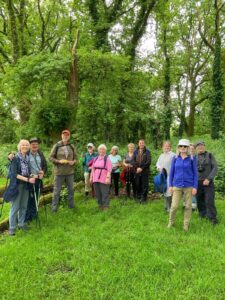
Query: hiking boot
(214,222)
(24,228)
(12,232)
(86,194)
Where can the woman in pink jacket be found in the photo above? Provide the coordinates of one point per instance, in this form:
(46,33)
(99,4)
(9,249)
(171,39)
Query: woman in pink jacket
(101,177)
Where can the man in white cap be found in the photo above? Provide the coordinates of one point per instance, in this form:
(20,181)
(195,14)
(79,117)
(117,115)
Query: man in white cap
(207,170)
(87,159)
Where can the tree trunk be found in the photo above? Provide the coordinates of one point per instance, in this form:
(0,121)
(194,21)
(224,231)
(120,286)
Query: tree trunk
(73,81)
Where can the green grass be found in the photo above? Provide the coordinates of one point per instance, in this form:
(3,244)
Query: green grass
(124,253)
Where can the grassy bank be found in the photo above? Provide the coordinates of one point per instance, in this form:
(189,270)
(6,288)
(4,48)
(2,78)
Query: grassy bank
(124,253)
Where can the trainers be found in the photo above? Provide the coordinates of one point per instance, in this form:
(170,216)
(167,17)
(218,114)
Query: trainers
(12,231)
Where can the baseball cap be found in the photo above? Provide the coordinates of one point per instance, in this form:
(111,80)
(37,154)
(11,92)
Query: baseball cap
(200,143)
(90,145)
(66,131)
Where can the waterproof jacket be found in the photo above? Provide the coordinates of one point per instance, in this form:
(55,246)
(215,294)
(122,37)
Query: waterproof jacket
(15,169)
(144,161)
(207,166)
(183,172)
(58,153)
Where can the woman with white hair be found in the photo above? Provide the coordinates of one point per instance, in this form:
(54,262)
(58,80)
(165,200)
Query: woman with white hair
(164,164)
(101,177)
(116,164)
(21,171)
(183,181)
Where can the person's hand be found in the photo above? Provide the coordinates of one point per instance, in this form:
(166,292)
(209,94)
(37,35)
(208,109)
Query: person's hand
(139,170)
(107,180)
(11,156)
(171,190)
(31,180)
(194,192)
(205,182)
(71,162)
(41,174)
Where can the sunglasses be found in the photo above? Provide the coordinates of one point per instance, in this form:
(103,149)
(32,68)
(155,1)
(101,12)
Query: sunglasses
(182,146)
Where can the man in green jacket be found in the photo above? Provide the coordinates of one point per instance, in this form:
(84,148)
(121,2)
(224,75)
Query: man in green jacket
(63,156)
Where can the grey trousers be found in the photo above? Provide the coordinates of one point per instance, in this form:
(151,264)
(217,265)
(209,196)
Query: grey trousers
(102,193)
(59,180)
(19,207)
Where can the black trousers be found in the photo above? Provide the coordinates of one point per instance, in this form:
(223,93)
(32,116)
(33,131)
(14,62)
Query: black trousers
(141,180)
(31,205)
(206,201)
(115,181)
(130,182)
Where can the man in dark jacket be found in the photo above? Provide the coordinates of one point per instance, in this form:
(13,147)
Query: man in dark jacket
(142,158)
(207,170)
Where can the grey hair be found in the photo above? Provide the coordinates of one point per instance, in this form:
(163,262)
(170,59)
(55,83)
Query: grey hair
(21,142)
(102,146)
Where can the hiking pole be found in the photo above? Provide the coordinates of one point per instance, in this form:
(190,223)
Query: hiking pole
(36,203)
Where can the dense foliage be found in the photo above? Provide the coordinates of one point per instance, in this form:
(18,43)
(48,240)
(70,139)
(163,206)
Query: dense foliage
(113,70)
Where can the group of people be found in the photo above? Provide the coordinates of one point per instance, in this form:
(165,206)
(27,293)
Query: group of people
(188,176)
(102,171)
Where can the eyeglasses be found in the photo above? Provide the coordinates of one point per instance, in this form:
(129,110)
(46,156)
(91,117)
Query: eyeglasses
(182,146)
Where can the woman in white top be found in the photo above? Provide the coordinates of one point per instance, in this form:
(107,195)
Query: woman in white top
(164,162)
(116,164)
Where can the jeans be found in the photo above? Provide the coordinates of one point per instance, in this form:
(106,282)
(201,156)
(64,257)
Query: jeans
(31,205)
(19,207)
(58,182)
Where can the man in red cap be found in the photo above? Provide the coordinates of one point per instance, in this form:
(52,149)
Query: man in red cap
(63,156)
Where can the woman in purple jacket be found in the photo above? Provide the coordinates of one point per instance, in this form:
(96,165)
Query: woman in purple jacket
(182,181)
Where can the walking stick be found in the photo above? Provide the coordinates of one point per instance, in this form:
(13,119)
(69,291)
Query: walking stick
(37,204)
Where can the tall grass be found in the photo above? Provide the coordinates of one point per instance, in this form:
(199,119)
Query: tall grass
(124,253)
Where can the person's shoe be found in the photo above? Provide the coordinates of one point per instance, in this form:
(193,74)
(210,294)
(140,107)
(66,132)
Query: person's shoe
(54,210)
(24,227)
(86,194)
(215,222)
(12,232)
(186,227)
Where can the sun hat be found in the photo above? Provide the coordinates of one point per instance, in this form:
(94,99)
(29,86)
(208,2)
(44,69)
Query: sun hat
(184,142)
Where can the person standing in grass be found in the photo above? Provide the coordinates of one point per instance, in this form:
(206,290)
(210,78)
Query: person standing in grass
(182,181)
(164,162)
(20,171)
(207,170)
(63,156)
(129,163)
(88,157)
(101,177)
(116,164)
(142,161)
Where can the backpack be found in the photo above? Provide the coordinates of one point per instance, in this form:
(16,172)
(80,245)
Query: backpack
(160,182)
(11,190)
(101,168)
(58,146)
